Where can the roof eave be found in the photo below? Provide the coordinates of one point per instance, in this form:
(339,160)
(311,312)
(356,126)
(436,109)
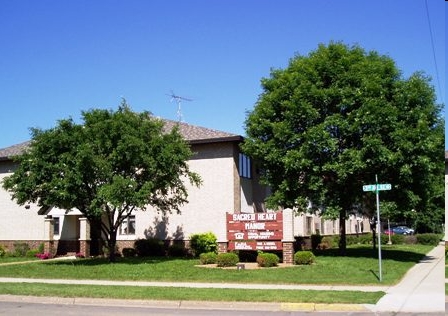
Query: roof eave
(235,138)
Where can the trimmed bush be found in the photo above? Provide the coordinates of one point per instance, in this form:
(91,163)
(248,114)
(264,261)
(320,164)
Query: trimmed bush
(149,247)
(2,251)
(304,257)
(177,250)
(327,242)
(316,239)
(267,260)
(208,258)
(229,259)
(365,239)
(397,239)
(410,240)
(428,239)
(201,243)
(128,252)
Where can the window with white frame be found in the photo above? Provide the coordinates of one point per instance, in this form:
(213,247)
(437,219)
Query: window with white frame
(245,166)
(128,226)
(56,226)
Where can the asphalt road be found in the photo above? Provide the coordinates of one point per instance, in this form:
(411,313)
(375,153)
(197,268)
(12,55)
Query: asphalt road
(37,309)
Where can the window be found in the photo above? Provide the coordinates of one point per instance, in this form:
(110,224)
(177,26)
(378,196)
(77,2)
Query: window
(128,226)
(56,225)
(245,166)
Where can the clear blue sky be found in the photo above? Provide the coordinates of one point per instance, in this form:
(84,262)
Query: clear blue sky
(58,58)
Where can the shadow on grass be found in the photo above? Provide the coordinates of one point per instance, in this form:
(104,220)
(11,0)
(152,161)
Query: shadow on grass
(390,254)
(120,260)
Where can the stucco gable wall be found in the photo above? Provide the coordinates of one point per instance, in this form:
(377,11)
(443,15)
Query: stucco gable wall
(18,222)
(207,205)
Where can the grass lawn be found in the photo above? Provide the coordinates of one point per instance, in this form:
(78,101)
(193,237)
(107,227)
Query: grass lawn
(183,293)
(359,267)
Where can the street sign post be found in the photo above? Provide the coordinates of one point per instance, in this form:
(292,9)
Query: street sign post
(376,188)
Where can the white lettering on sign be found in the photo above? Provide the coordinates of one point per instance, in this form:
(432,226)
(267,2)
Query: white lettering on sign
(260,235)
(242,246)
(266,245)
(267,216)
(254,225)
(243,217)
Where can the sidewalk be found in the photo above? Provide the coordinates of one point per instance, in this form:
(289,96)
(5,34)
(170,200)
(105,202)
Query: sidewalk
(421,290)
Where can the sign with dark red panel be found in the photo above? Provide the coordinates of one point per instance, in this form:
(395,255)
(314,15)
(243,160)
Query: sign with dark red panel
(255,231)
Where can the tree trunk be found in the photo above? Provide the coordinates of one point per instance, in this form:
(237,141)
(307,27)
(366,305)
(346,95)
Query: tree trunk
(342,234)
(111,244)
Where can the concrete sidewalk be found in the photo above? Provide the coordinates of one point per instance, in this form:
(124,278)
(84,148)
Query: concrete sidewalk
(421,290)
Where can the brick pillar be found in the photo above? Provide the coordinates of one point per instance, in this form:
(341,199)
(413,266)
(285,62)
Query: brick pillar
(288,236)
(84,237)
(288,252)
(49,235)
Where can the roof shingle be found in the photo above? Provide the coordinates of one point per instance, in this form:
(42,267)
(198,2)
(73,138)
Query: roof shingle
(193,134)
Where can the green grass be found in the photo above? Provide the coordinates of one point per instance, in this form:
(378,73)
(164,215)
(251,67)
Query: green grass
(182,293)
(359,267)
(8,259)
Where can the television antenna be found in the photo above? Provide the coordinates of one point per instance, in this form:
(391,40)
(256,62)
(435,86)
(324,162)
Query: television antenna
(178,100)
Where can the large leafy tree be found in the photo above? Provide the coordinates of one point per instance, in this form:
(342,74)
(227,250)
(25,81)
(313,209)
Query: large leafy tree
(332,120)
(112,164)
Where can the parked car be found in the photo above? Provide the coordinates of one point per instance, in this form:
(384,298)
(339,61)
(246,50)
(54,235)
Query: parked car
(402,230)
(389,232)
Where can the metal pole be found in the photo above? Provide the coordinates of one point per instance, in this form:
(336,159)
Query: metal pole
(378,227)
(390,233)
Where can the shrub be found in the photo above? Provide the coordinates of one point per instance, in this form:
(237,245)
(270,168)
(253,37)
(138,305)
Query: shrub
(32,253)
(208,258)
(410,239)
(2,251)
(206,242)
(229,259)
(149,247)
(177,250)
(267,260)
(327,242)
(428,239)
(41,247)
(20,249)
(365,239)
(315,241)
(396,239)
(304,257)
(128,252)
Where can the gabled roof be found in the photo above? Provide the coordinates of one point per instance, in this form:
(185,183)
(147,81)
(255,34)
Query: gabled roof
(8,152)
(196,134)
(193,134)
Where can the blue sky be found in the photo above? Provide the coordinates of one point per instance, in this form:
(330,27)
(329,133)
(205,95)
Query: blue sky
(61,57)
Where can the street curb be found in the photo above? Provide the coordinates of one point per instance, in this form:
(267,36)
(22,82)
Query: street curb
(241,306)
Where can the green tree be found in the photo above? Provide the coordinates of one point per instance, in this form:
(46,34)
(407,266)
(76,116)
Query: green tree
(112,164)
(332,120)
